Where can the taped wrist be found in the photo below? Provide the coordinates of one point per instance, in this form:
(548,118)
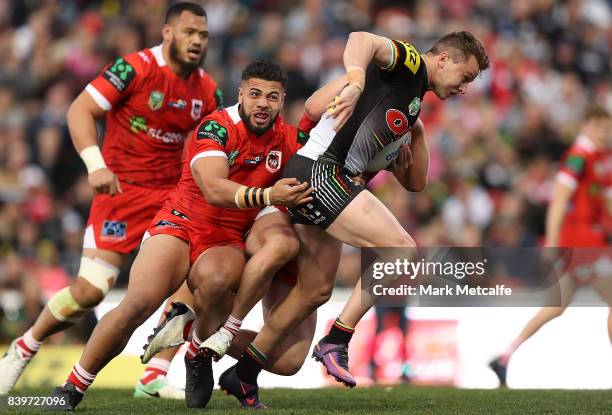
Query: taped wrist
(92,157)
(356,77)
(247,197)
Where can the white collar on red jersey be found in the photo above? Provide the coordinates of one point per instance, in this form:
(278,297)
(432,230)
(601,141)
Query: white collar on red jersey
(585,142)
(233,113)
(159,56)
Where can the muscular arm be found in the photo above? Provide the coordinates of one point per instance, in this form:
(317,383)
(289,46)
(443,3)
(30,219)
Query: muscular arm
(362,48)
(320,100)
(413,177)
(556,212)
(211,175)
(81,118)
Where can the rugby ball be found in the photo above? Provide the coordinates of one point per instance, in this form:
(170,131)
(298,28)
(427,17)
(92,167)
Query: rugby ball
(388,153)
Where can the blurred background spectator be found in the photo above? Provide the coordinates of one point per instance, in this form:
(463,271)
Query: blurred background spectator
(494,152)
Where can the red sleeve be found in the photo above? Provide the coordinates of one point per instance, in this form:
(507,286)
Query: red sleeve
(214,96)
(306,123)
(212,138)
(572,167)
(117,81)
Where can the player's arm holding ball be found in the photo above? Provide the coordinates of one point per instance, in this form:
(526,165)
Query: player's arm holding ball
(412,165)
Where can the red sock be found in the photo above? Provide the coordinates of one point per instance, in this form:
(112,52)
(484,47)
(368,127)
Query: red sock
(156,368)
(80,378)
(194,346)
(27,345)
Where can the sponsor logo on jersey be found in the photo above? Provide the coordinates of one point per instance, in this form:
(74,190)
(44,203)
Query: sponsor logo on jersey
(219,98)
(413,59)
(415,106)
(397,121)
(156,100)
(113,230)
(144,57)
(138,123)
(178,104)
(273,161)
(196,109)
(167,137)
(575,163)
(253,159)
(211,130)
(166,223)
(119,74)
(179,214)
(231,159)
(302,137)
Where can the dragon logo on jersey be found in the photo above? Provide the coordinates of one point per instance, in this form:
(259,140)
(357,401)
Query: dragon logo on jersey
(138,123)
(396,121)
(156,100)
(273,161)
(414,107)
(196,109)
(213,131)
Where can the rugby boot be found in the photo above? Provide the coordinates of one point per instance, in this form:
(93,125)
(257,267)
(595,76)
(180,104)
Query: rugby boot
(217,344)
(500,370)
(247,394)
(175,330)
(12,366)
(65,398)
(158,388)
(199,381)
(335,359)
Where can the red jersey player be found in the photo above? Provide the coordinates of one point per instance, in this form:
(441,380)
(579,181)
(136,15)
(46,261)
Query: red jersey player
(151,99)
(233,157)
(580,203)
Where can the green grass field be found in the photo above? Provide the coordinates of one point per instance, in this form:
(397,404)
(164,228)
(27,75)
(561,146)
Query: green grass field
(375,400)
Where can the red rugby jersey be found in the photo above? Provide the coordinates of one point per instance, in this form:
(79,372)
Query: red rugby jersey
(255,161)
(587,170)
(150,112)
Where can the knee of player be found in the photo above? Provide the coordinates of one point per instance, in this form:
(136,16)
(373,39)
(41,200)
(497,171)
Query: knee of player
(85,294)
(214,287)
(318,297)
(282,249)
(95,279)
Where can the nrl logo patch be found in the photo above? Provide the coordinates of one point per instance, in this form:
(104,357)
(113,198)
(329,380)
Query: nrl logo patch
(415,105)
(156,100)
(273,161)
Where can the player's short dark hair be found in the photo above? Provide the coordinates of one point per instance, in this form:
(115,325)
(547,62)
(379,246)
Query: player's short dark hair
(596,112)
(462,45)
(178,8)
(266,69)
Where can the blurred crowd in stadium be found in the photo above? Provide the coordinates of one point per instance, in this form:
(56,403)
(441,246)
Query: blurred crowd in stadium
(494,152)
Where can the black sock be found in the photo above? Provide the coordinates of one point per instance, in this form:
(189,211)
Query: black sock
(339,333)
(250,364)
